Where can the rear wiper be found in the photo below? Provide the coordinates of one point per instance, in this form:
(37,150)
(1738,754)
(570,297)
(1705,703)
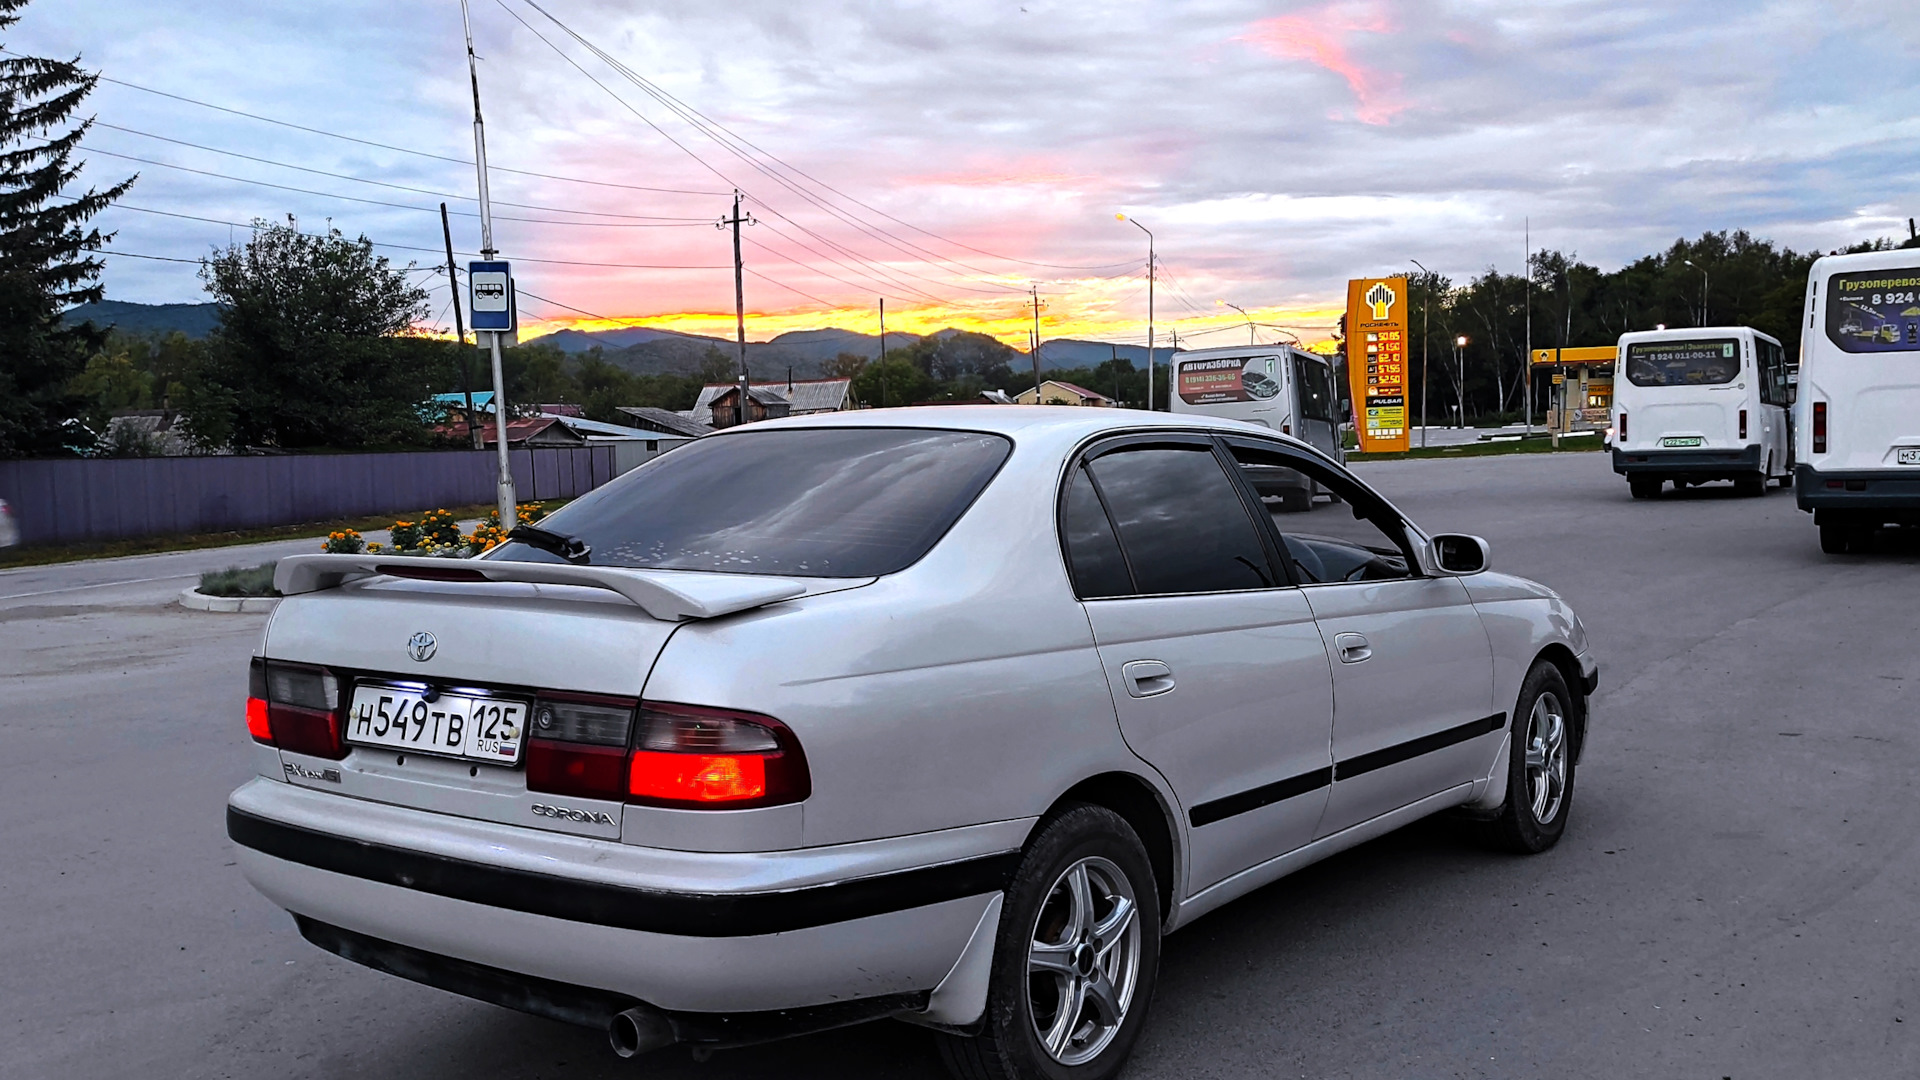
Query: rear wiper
(571,548)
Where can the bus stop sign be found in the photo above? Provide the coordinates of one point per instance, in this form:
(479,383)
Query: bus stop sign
(490,297)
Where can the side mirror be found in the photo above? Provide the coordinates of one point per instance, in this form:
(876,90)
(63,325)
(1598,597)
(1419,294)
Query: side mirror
(1458,554)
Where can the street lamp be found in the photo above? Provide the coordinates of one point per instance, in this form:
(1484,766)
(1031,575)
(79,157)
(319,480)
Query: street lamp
(1426,324)
(1244,315)
(1703,289)
(1149,233)
(1460,364)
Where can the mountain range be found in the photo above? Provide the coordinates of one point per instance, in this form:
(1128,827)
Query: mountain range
(644,350)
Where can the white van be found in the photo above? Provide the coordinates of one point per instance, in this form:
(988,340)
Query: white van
(1858,415)
(1702,404)
(1288,390)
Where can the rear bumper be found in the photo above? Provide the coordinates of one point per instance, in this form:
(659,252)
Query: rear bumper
(681,931)
(1706,463)
(1877,495)
(588,1007)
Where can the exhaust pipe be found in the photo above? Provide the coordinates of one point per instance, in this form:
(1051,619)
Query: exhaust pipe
(638,1030)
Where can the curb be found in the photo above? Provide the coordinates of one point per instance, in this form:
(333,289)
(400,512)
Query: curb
(195,600)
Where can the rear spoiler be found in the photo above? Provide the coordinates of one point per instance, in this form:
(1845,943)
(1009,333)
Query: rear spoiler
(668,595)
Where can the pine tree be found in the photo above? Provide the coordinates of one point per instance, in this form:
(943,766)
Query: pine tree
(45,246)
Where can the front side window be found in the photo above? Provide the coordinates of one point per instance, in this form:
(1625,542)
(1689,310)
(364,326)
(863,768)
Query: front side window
(818,502)
(1355,539)
(1875,311)
(1180,520)
(1702,362)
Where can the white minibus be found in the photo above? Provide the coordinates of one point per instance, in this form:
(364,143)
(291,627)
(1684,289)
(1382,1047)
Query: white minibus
(1858,414)
(1289,390)
(1702,404)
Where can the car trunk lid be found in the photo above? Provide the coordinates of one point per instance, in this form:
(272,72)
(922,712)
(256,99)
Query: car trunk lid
(501,631)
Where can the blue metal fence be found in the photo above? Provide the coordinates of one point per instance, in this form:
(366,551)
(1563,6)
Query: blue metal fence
(58,501)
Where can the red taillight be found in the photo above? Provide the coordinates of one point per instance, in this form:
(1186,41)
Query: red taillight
(1819,427)
(683,756)
(295,707)
(1623,427)
(699,779)
(690,756)
(1743,423)
(584,772)
(1286,429)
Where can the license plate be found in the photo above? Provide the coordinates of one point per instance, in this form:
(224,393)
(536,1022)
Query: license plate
(1683,440)
(471,726)
(1909,456)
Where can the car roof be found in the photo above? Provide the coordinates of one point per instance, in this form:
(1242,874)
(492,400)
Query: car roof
(1073,421)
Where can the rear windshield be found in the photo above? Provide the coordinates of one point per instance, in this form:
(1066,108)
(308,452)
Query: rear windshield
(821,502)
(1875,311)
(1683,363)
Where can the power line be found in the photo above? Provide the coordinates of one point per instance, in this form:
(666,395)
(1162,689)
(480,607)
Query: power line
(708,126)
(136,255)
(402,247)
(103,77)
(662,132)
(386,184)
(348,198)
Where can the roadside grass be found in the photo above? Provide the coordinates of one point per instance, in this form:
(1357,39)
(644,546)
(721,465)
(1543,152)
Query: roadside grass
(42,555)
(1585,444)
(240,581)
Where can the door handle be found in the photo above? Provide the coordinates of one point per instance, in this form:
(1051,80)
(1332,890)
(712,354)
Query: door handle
(1146,678)
(1352,648)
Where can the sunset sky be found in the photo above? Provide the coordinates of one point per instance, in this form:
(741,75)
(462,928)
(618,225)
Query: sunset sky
(953,156)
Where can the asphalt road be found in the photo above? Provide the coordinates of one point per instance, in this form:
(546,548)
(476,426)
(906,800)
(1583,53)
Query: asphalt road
(1735,896)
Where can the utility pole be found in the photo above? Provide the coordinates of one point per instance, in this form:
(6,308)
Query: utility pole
(1527,359)
(460,334)
(883,330)
(739,301)
(1426,327)
(1460,363)
(1036,346)
(1150,273)
(503,484)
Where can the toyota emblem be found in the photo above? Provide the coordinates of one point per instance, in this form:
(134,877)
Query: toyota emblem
(421,646)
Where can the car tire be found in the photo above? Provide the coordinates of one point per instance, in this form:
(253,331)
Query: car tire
(1540,765)
(1644,487)
(1064,937)
(1750,486)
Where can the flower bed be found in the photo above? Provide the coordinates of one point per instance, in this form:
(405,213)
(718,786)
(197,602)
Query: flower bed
(436,535)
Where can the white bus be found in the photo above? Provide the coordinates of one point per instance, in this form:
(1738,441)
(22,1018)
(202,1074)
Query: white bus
(1289,390)
(1858,415)
(1702,404)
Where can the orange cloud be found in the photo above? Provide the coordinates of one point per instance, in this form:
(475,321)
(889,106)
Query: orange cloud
(1320,36)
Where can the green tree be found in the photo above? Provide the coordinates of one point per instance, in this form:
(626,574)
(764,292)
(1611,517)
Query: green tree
(111,382)
(311,350)
(890,382)
(45,246)
(719,367)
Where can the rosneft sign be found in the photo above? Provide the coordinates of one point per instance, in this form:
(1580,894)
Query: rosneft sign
(1377,360)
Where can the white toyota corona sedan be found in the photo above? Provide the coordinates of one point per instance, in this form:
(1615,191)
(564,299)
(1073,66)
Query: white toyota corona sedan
(942,714)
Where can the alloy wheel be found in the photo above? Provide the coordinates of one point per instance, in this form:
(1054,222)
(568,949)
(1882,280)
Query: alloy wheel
(1083,960)
(1546,757)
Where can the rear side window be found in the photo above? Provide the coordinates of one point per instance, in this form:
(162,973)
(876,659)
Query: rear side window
(1099,569)
(821,502)
(1875,310)
(1706,362)
(1180,520)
